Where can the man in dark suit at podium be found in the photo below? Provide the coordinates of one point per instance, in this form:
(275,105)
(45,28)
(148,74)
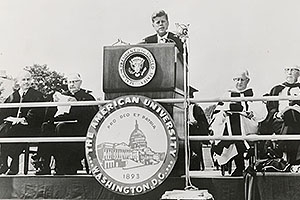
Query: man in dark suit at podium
(160,23)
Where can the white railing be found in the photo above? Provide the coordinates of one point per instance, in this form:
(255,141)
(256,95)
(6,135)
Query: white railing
(294,136)
(253,138)
(179,100)
(248,137)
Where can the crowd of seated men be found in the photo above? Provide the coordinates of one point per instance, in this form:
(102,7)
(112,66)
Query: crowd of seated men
(247,117)
(37,121)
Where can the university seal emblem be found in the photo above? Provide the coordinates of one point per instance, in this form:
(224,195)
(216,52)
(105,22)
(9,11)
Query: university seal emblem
(137,67)
(131,145)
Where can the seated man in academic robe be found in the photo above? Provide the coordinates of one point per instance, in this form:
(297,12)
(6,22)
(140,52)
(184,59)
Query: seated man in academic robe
(284,116)
(236,118)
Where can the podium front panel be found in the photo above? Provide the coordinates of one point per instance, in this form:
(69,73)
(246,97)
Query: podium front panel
(168,74)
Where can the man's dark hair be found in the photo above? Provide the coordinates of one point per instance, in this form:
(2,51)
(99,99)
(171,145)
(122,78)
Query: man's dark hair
(159,13)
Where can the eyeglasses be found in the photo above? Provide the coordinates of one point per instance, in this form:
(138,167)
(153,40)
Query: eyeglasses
(74,81)
(26,79)
(291,69)
(239,79)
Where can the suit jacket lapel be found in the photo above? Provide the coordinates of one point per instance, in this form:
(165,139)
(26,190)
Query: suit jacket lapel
(155,38)
(27,97)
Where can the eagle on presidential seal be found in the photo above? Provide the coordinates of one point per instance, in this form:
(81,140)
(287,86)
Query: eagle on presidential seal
(137,67)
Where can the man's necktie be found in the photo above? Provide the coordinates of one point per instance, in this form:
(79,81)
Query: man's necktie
(162,40)
(21,100)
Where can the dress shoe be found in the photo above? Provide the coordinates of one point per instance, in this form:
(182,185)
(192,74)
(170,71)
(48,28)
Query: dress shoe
(35,157)
(12,172)
(45,171)
(237,172)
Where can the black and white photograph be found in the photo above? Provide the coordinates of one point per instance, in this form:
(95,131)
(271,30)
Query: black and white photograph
(149,99)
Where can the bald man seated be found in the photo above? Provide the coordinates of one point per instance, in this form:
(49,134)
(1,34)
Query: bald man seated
(74,121)
(24,121)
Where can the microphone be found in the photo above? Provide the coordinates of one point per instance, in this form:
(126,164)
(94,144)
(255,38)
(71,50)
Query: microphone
(120,42)
(182,30)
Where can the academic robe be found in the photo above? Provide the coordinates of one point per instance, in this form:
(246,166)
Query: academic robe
(231,119)
(289,123)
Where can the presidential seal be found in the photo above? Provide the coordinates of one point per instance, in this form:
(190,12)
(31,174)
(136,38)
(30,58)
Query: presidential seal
(131,145)
(137,67)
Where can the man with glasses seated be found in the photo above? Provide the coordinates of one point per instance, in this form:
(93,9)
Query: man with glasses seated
(236,118)
(284,116)
(68,121)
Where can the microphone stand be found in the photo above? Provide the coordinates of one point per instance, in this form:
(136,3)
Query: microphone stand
(189,189)
(183,35)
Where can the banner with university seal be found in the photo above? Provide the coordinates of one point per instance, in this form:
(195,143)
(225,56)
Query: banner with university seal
(131,145)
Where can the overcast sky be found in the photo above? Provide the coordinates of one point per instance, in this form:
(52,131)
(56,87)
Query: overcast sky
(69,36)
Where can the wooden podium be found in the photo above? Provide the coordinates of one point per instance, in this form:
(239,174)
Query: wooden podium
(167,81)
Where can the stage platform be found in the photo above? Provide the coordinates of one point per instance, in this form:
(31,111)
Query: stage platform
(272,186)
(86,187)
